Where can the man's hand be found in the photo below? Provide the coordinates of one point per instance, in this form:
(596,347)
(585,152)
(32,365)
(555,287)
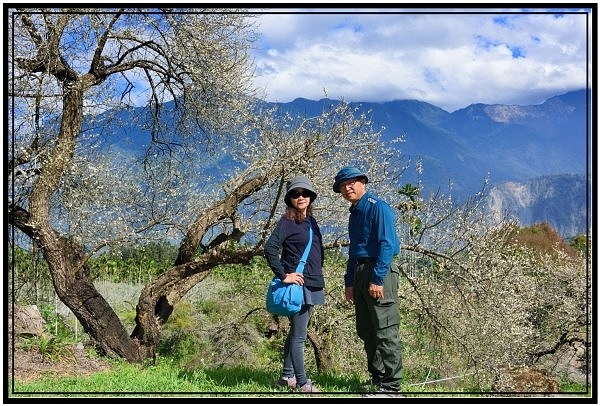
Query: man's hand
(375,291)
(349,293)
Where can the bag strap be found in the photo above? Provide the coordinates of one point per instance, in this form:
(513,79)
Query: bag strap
(300,267)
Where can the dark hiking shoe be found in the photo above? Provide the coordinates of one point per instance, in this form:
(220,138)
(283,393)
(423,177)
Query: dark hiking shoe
(384,393)
(371,385)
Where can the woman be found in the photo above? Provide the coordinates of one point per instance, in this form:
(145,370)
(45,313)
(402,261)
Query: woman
(283,251)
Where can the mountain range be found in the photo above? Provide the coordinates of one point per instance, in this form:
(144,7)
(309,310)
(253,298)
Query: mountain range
(537,158)
(501,142)
(538,151)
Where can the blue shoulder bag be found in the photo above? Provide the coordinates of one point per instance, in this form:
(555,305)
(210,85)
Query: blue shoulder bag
(286,299)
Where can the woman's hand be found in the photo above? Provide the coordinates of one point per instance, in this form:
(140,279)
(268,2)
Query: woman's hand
(349,294)
(294,277)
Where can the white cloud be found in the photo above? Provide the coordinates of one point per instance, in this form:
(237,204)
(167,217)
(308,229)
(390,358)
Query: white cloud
(450,60)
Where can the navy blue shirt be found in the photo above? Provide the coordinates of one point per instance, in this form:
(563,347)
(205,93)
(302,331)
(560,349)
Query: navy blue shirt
(372,232)
(285,246)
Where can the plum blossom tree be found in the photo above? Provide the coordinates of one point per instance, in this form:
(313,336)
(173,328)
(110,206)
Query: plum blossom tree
(212,167)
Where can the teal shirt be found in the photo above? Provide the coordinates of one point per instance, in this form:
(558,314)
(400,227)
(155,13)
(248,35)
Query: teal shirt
(372,232)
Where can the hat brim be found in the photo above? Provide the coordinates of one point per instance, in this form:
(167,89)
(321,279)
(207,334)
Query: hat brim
(337,183)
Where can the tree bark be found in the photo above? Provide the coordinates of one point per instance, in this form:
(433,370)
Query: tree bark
(322,352)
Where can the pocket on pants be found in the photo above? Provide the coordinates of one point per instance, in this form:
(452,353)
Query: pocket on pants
(390,284)
(386,311)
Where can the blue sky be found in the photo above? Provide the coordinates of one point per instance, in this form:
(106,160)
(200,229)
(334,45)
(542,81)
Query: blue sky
(447,57)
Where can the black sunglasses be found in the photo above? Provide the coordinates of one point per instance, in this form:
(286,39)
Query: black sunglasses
(294,194)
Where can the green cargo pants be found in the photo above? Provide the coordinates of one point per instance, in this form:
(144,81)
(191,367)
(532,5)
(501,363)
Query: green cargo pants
(378,325)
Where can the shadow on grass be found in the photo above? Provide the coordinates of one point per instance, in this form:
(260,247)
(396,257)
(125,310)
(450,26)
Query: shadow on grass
(234,377)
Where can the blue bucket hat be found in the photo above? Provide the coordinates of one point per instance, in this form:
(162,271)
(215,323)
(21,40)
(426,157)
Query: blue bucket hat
(347,173)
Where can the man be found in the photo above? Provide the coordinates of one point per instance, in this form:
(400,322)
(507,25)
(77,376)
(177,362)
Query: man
(371,279)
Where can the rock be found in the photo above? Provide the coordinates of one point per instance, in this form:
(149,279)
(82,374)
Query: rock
(26,321)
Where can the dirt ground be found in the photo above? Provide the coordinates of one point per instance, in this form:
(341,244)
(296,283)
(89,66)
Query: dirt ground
(28,365)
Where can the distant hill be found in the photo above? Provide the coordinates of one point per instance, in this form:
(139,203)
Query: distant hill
(559,200)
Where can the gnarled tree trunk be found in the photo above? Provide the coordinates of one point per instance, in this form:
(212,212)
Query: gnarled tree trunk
(65,258)
(322,352)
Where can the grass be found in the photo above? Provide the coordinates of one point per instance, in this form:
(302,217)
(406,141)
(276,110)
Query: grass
(135,380)
(199,329)
(168,379)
